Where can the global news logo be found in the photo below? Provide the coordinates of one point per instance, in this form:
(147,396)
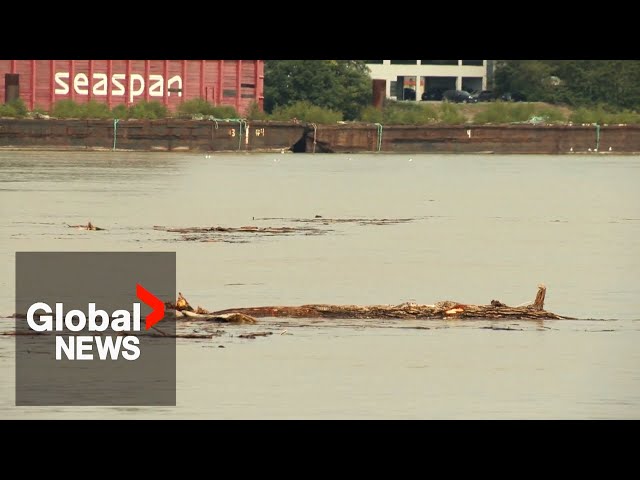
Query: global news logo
(124,324)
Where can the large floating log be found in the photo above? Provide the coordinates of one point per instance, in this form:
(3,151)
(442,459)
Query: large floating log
(439,310)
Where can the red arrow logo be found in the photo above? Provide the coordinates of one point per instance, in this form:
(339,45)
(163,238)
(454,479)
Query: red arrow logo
(154,302)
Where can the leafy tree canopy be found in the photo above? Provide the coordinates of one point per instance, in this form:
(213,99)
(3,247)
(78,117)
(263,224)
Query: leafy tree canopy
(575,82)
(341,85)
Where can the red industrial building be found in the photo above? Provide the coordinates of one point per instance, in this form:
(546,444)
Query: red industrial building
(41,83)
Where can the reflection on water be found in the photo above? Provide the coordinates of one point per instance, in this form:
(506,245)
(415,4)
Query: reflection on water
(475,228)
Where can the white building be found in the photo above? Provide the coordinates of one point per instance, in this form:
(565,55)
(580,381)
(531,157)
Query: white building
(429,76)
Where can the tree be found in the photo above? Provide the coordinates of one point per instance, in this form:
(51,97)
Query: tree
(575,82)
(343,85)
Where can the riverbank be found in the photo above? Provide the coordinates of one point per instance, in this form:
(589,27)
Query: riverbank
(237,135)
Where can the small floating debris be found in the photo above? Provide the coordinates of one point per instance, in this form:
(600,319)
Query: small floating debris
(89,226)
(253,335)
(326,221)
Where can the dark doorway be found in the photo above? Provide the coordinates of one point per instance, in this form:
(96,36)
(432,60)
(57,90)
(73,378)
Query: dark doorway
(11,87)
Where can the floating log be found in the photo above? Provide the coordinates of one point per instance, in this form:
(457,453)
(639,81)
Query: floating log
(440,310)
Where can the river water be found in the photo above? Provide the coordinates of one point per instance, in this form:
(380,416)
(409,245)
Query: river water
(469,228)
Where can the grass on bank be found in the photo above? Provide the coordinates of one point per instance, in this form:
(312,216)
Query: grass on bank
(393,112)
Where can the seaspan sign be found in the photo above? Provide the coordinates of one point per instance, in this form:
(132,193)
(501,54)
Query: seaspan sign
(118,85)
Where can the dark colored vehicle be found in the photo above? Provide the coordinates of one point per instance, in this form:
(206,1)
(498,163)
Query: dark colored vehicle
(486,96)
(513,97)
(433,94)
(458,96)
(409,94)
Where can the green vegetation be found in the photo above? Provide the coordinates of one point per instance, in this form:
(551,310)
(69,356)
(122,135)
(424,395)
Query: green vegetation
(601,116)
(148,110)
(399,113)
(451,114)
(504,112)
(578,83)
(71,109)
(255,113)
(306,112)
(338,85)
(200,106)
(15,108)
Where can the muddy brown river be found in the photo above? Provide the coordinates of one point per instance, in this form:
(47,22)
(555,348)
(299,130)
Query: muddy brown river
(358,229)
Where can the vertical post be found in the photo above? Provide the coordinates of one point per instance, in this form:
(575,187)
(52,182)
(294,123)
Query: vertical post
(379,90)
(13,66)
(165,87)
(260,83)
(72,76)
(127,83)
(52,84)
(32,98)
(146,79)
(203,92)
(109,74)
(184,79)
(220,81)
(90,90)
(238,85)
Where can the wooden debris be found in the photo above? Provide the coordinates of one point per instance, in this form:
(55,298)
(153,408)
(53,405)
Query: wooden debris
(89,226)
(409,310)
(182,304)
(359,221)
(538,303)
(439,310)
(253,335)
(229,317)
(244,229)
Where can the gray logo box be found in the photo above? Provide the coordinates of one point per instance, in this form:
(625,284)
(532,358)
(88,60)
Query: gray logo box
(109,280)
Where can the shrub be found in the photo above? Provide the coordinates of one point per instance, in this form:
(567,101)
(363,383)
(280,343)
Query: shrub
(255,113)
(396,113)
(93,109)
(306,112)
(601,116)
(148,110)
(587,115)
(625,116)
(195,106)
(199,106)
(120,111)
(67,109)
(371,114)
(552,115)
(451,114)
(15,108)
(18,107)
(224,111)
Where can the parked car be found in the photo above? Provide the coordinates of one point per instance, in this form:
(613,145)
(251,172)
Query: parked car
(513,97)
(458,96)
(433,94)
(486,96)
(409,94)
